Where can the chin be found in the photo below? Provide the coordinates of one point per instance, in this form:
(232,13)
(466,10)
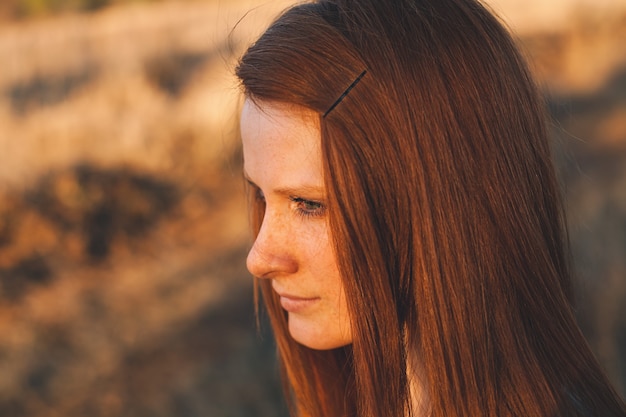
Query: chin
(319,339)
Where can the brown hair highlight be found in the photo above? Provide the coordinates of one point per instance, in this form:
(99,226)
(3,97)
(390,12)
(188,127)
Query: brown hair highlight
(445,214)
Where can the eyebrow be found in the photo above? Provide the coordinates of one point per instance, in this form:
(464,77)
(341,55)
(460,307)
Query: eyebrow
(291,191)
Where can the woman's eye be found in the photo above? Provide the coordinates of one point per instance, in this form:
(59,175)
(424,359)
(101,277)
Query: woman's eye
(258,195)
(308,207)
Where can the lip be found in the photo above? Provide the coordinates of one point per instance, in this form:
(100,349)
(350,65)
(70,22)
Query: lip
(295,304)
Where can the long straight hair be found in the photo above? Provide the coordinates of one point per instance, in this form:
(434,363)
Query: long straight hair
(444,210)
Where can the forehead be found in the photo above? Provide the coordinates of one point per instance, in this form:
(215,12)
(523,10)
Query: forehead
(280,141)
(258,115)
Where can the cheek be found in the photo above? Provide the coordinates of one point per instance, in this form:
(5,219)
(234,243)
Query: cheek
(329,326)
(321,253)
(329,276)
(322,263)
(330,273)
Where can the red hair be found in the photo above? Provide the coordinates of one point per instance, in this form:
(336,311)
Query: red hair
(445,212)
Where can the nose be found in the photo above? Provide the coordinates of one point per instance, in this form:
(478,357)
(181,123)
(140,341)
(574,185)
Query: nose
(271,254)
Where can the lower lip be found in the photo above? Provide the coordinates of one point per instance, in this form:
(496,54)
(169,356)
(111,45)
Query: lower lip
(295,305)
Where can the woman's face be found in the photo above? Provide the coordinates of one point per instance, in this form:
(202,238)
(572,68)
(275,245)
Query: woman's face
(283,164)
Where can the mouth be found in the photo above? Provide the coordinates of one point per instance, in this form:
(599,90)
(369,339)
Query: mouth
(295,304)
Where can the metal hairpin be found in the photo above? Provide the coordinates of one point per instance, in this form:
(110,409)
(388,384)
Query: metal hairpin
(345,93)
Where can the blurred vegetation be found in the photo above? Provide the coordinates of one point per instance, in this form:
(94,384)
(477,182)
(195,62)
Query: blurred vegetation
(24,9)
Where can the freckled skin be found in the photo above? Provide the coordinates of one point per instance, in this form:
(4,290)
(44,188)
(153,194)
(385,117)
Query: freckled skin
(282,157)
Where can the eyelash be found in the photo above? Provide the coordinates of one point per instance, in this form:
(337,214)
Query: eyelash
(317,210)
(258,195)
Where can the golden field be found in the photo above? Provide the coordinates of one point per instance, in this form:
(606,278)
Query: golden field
(123,230)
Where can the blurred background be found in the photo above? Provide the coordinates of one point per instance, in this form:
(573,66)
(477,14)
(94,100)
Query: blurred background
(123,230)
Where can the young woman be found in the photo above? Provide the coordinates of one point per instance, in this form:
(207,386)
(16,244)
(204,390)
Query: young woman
(410,245)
